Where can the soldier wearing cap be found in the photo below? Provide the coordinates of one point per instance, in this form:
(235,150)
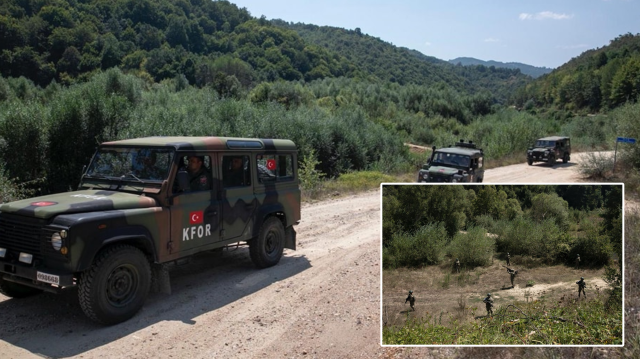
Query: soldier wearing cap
(581,284)
(411,299)
(489,304)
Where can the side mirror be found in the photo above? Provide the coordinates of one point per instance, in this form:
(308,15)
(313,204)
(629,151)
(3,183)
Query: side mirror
(183,180)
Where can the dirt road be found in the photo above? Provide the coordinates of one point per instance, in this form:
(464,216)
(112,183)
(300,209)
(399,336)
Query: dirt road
(321,301)
(540,172)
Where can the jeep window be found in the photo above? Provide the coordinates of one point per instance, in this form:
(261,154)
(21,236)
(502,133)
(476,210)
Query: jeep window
(236,171)
(140,164)
(543,143)
(199,170)
(274,168)
(451,159)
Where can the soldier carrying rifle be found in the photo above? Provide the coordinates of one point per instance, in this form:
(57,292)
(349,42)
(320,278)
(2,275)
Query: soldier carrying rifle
(581,284)
(489,304)
(512,273)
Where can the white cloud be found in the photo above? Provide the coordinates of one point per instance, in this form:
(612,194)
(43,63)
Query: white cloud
(427,43)
(544,15)
(490,39)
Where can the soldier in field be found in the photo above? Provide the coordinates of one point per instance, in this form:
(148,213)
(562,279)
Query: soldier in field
(512,273)
(489,304)
(508,259)
(457,265)
(578,261)
(581,284)
(411,299)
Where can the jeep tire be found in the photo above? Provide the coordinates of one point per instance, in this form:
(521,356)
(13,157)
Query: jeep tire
(17,290)
(266,249)
(565,159)
(116,286)
(529,161)
(552,160)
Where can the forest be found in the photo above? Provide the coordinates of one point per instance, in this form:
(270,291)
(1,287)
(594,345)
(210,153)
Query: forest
(76,73)
(552,223)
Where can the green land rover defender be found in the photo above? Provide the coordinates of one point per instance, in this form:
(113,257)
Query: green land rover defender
(460,163)
(144,204)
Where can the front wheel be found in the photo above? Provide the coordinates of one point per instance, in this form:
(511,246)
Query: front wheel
(529,161)
(552,160)
(116,286)
(565,159)
(266,250)
(17,290)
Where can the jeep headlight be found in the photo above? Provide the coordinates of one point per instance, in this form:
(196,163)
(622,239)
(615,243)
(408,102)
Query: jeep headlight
(56,239)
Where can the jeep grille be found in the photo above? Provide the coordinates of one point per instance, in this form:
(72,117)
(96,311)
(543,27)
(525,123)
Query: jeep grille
(21,234)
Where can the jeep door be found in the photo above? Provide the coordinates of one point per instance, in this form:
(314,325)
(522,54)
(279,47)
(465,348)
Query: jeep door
(195,213)
(238,200)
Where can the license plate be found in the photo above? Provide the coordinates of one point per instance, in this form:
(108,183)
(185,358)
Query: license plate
(48,278)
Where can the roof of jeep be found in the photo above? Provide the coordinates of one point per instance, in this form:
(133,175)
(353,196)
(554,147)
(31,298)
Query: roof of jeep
(553,138)
(460,150)
(208,143)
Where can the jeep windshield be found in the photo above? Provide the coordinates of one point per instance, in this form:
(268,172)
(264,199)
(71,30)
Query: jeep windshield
(543,143)
(137,164)
(451,159)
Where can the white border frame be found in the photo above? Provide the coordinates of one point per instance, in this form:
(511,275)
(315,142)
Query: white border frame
(504,345)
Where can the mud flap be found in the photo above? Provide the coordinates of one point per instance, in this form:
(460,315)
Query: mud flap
(160,282)
(290,238)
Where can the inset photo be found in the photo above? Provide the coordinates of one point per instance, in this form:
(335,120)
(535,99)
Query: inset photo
(500,265)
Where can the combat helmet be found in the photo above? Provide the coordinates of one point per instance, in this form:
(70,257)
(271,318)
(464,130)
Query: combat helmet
(581,278)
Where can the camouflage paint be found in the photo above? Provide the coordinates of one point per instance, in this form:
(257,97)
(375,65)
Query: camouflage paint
(151,217)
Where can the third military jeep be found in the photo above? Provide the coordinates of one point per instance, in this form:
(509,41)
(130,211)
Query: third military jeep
(138,209)
(460,163)
(550,149)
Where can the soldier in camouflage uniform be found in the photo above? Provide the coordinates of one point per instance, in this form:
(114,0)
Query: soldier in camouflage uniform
(489,304)
(512,273)
(199,177)
(411,299)
(581,284)
(457,264)
(578,261)
(508,259)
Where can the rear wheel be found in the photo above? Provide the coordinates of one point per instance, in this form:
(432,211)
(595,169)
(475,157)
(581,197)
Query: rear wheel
(565,159)
(116,286)
(266,250)
(16,290)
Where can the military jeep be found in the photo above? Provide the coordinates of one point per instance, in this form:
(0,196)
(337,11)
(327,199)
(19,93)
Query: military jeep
(550,149)
(460,163)
(138,210)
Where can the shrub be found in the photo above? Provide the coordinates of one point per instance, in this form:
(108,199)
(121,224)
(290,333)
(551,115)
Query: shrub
(473,248)
(424,247)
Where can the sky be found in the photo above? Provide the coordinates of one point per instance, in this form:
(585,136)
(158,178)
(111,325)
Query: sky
(541,33)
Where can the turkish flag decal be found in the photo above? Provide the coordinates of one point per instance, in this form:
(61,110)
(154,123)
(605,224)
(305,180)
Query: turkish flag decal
(195,217)
(271,164)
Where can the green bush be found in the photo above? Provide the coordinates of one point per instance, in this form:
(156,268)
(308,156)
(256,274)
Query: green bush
(473,248)
(424,247)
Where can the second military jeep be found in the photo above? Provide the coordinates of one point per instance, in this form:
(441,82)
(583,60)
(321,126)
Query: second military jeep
(460,163)
(141,206)
(550,149)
